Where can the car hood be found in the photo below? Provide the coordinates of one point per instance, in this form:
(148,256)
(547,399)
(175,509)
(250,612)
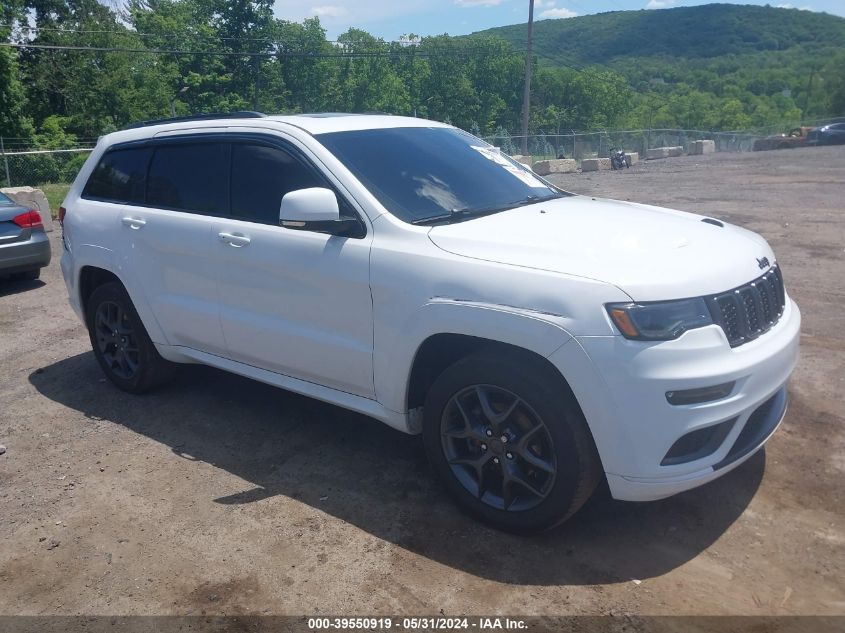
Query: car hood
(650,253)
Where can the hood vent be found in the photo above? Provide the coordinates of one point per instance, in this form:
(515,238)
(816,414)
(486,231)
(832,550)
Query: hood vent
(713,222)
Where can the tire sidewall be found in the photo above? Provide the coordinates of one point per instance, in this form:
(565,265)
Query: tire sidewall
(147,355)
(558,411)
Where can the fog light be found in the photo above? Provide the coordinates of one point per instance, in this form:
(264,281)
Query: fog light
(698,444)
(703,394)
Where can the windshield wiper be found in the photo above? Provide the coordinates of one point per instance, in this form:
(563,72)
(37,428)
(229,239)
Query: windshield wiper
(463,214)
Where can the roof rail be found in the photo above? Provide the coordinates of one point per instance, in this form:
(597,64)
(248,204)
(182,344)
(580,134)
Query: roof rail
(243,114)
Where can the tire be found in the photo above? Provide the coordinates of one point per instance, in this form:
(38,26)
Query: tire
(455,427)
(627,163)
(121,344)
(29,275)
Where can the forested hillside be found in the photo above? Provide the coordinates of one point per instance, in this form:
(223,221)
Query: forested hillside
(711,66)
(71,70)
(709,30)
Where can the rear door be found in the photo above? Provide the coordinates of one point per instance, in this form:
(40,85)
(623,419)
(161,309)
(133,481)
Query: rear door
(166,236)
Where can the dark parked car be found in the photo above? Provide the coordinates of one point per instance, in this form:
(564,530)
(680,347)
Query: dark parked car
(24,247)
(833,134)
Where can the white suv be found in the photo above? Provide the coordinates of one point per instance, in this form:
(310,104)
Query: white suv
(539,341)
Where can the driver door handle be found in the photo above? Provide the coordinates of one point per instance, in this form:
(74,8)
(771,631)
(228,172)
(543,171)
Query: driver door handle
(238,241)
(134,223)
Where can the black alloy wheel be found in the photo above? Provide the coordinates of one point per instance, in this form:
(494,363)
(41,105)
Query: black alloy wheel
(498,447)
(507,438)
(116,339)
(121,344)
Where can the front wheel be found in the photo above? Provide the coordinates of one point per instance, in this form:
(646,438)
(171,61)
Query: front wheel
(509,441)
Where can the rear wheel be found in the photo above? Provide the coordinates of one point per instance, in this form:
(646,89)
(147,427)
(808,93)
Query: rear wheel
(121,344)
(509,442)
(29,275)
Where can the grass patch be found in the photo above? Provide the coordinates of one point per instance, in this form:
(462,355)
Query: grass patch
(55,192)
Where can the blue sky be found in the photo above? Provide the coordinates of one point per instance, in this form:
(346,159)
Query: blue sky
(391,18)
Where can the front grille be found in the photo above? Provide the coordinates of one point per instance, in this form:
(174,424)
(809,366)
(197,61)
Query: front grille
(746,312)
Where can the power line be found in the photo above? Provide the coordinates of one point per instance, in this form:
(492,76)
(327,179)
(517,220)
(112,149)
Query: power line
(268,54)
(408,44)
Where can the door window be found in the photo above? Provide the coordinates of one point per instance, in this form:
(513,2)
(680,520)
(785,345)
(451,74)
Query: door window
(190,177)
(120,176)
(261,176)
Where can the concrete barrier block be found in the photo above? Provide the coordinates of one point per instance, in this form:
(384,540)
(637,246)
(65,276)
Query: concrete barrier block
(699,147)
(664,152)
(525,160)
(557,166)
(595,164)
(34,199)
(633,157)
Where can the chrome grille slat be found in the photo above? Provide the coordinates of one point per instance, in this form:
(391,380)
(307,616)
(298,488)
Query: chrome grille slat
(746,312)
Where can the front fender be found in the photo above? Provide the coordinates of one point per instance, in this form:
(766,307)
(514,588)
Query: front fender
(396,346)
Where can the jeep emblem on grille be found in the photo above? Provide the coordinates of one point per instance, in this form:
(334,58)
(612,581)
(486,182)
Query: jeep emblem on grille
(762,262)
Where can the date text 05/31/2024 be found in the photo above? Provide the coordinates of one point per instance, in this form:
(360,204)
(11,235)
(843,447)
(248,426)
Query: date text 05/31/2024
(417,624)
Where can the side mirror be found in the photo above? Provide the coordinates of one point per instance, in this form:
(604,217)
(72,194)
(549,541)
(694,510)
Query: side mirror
(300,207)
(314,209)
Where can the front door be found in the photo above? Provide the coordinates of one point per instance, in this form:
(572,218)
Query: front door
(293,302)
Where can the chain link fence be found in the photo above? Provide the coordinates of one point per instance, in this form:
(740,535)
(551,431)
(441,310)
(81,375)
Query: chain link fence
(36,167)
(580,145)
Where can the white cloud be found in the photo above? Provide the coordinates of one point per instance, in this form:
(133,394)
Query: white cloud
(561,12)
(478,3)
(329,11)
(661,4)
(792,6)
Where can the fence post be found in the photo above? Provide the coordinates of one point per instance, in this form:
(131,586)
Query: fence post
(5,162)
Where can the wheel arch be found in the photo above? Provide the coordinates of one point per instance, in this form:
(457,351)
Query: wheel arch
(90,278)
(94,274)
(439,351)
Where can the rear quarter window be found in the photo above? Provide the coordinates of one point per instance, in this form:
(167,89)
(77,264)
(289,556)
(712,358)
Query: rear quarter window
(120,176)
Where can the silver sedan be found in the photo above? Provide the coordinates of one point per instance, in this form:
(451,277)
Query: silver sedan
(24,246)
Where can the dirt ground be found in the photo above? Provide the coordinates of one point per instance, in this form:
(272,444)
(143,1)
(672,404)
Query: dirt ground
(223,496)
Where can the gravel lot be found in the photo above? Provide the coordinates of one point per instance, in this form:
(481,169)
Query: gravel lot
(223,496)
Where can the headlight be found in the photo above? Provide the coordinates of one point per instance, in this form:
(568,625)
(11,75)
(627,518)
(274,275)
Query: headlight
(659,321)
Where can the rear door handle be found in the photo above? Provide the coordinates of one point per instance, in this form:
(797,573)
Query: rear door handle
(231,239)
(134,223)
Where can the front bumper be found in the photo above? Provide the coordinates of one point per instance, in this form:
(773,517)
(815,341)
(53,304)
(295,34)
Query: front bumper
(622,385)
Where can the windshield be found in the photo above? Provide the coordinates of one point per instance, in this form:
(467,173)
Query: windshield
(425,174)
(6,200)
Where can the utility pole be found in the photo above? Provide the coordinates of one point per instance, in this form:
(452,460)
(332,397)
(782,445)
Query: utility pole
(256,76)
(5,162)
(182,91)
(526,95)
